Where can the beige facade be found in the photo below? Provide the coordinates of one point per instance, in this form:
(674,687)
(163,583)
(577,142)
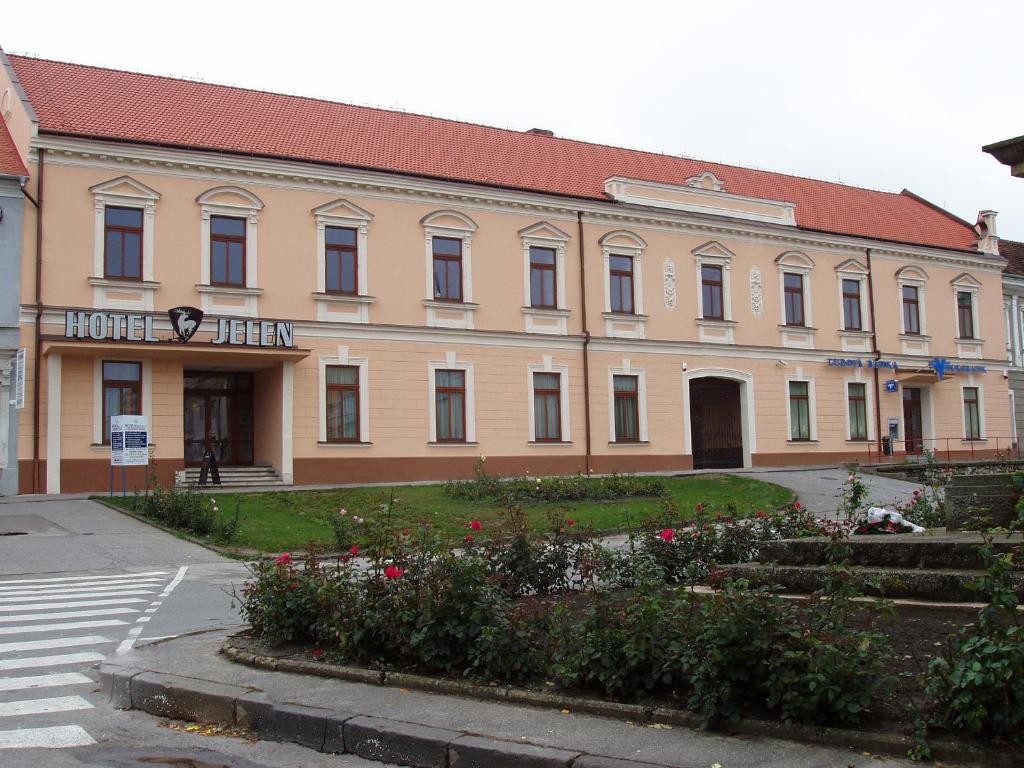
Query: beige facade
(395,335)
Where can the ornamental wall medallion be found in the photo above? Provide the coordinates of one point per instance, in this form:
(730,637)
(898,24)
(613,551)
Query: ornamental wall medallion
(756,291)
(669,271)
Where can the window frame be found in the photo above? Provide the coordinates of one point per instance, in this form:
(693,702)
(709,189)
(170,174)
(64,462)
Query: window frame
(438,390)
(850,300)
(358,438)
(122,230)
(807,400)
(976,405)
(122,385)
(547,392)
(621,275)
(862,404)
(961,315)
(712,285)
(787,292)
(544,269)
(633,396)
(906,303)
(228,239)
(339,251)
(447,259)
(344,359)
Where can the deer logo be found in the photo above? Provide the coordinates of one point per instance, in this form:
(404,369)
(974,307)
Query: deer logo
(185,322)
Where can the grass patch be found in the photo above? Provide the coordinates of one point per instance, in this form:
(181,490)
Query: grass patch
(288,520)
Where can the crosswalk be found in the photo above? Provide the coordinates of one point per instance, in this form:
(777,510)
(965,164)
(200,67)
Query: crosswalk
(54,629)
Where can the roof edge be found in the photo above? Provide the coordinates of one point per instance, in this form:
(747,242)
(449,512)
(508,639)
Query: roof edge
(939,208)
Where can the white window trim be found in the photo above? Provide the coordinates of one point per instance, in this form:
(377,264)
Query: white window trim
(249,212)
(715,255)
(141,197)
(563,398)
(795,262)
(966,284)
(971,382)
(464,233)
(853,270)
(342,213)
(812,407)
(363,365)
(636,252)
(641,397)
(556,239)
(920,282)
(869,404)
(97,392)
(450,363)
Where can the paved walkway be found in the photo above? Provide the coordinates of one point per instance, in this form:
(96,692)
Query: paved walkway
(819,489)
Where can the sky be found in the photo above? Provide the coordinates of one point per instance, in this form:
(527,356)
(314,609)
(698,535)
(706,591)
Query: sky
(886,95)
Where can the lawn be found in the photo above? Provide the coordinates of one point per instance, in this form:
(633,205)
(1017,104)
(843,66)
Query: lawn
(289,520)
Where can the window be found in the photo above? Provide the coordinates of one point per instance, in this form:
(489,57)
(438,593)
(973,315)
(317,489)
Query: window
(711,292)
(911,310)
(122,392)
(122,238)
(343,404)
(341,260)
(542,277)
(227,251)
(799,411)
(793,290)
(620,279)
(627,409)
(972,414)
(965,314)
(851,305)
(858,407)
(547,407)
(450,403)
(447,268)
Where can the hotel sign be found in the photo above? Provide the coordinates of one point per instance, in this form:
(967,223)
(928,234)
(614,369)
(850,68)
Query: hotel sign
(127,326)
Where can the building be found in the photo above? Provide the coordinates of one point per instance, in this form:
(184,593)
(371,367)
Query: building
(1013,311)
(349,294)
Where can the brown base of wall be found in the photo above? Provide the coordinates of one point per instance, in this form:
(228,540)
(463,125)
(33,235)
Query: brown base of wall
(85,475)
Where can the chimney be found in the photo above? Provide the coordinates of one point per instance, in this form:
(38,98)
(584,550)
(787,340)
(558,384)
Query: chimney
(988,242)
(541,132)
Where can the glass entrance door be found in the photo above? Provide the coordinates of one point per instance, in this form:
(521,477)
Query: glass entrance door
(218,417)
(913,424)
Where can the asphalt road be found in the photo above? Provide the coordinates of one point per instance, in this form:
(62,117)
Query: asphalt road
(80,583)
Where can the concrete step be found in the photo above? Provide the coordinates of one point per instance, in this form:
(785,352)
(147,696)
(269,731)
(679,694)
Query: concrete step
(944,551)
(256,476)
(943,585)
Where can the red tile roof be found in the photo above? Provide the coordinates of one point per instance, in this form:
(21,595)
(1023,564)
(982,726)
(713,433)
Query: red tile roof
(89,101)
(10,160)
(1013,252)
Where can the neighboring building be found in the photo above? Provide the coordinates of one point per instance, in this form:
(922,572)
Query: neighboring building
(1009,152)
(388,296)
(12,175)
(1013,311)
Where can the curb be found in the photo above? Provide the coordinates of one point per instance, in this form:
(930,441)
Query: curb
(891,744)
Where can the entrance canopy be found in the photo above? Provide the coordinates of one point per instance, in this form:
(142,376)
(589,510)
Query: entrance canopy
(194,353)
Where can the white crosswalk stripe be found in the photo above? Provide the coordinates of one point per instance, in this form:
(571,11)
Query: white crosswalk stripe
(35,637)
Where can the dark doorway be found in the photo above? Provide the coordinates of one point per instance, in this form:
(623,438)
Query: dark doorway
(218,417)
(913,425)
(716,432)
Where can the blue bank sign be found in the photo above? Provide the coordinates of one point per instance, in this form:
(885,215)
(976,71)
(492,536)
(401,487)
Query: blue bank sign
(942,366)
(853,362)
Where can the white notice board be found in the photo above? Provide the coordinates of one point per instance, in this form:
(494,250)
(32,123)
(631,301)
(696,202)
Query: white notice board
(129,441)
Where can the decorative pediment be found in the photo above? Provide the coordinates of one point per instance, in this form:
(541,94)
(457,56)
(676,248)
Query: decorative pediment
(795,259)
(449,219)
(852,266)
(342,209)
(621,238)
(965,280)
(713,249)
(706,180)
(911,273)
(125,186)
(230,197)
(544,231)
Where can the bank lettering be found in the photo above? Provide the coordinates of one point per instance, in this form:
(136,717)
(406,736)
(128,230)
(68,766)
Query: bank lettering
(120,326)
(853,362)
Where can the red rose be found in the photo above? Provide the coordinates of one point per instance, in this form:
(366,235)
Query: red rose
(761,513)
(796,505)
(393,572)
(317,653)
(570,522)
(667,535)
(475,525)
(354,551)
(469,538)
(284,559)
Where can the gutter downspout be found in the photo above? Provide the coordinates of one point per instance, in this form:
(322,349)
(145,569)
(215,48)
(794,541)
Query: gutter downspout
(37,379)
(877,355)
(586,344)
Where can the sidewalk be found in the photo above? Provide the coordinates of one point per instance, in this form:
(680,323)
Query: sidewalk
(389,723)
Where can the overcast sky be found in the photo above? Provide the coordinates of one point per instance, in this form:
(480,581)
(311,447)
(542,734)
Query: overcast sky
(878,94)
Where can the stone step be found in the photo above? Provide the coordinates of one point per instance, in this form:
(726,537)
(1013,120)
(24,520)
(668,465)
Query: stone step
(256,476)
(918,583)
(927,550)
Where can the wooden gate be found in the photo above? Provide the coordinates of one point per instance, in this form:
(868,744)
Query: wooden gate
(716,432)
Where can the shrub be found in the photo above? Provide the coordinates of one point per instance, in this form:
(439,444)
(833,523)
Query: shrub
(186,510)
(281,602)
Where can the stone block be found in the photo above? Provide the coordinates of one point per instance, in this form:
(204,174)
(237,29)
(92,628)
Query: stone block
(480,752)
(394,741)
(185,698)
